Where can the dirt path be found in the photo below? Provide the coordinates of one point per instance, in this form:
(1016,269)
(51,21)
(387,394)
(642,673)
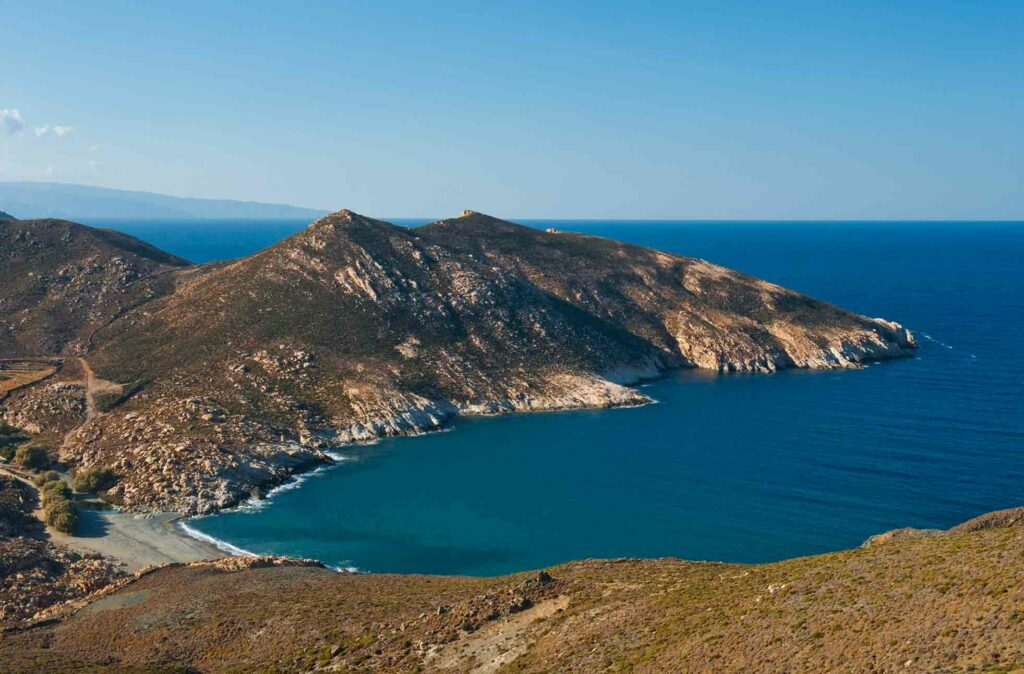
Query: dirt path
(94,385)
(16,474)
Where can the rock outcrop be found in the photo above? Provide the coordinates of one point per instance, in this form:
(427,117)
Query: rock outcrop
(1010,518)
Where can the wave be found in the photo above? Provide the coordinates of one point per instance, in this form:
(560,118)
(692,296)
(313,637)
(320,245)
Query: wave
(936,341)
(943,344)
(236,551)
(233,550)
(254,504)
(346,569)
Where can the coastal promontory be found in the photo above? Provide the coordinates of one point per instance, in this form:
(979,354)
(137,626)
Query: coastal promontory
(202,385)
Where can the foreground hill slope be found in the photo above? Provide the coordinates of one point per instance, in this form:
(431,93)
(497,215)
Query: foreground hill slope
(943,602)
(60,281)
(235,374)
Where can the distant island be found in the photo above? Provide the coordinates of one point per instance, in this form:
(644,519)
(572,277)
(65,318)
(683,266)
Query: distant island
(29,200)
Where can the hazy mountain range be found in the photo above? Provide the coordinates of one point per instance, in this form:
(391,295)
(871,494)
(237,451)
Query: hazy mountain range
(58,200)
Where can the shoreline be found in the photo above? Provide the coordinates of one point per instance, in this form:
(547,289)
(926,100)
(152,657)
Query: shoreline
(136,541)
(296,478)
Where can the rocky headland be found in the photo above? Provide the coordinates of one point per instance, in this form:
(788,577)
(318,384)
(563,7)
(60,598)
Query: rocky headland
(201,386)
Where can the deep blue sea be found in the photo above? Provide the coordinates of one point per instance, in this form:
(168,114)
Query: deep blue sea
(742,468)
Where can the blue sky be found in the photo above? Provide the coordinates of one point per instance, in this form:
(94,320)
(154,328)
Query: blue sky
(528,109)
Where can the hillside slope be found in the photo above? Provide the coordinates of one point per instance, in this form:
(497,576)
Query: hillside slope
(60,281)
(239,373)
(948,602)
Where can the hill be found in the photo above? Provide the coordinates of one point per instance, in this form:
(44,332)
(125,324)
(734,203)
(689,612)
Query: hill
(233,375)
(946,602)
(59,200)
(60,281)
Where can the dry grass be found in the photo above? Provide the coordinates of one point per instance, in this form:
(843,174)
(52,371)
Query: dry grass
(947,603)
(18,374)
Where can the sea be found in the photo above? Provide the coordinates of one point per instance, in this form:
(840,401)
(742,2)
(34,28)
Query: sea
(736,468)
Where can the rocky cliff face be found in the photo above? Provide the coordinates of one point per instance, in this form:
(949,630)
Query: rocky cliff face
(236,374)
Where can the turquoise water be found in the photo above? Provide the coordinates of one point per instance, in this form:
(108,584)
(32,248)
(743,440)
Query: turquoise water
(738,467)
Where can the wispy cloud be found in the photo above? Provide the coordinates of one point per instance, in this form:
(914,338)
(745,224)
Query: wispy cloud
(11,120)
(57,130)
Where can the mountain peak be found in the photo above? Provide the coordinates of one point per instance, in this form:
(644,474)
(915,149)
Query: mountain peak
(6,217)
(340,228)
(347,220)
(474,223)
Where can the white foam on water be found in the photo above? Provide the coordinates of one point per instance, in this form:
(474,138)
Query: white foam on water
(255,504)
(346,569)
(936,341)
(233,550)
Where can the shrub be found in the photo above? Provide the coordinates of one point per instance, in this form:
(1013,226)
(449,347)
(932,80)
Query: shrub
(33,456)
(48,476)
(11,436)
(55,490)
(62,515)
(94,479)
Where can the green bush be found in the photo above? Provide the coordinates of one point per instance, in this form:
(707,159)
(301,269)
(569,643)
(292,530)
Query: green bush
(10,438)
(94,479)
(33,456)
(55,490)
(62,515)
(61,512)
(48,476)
